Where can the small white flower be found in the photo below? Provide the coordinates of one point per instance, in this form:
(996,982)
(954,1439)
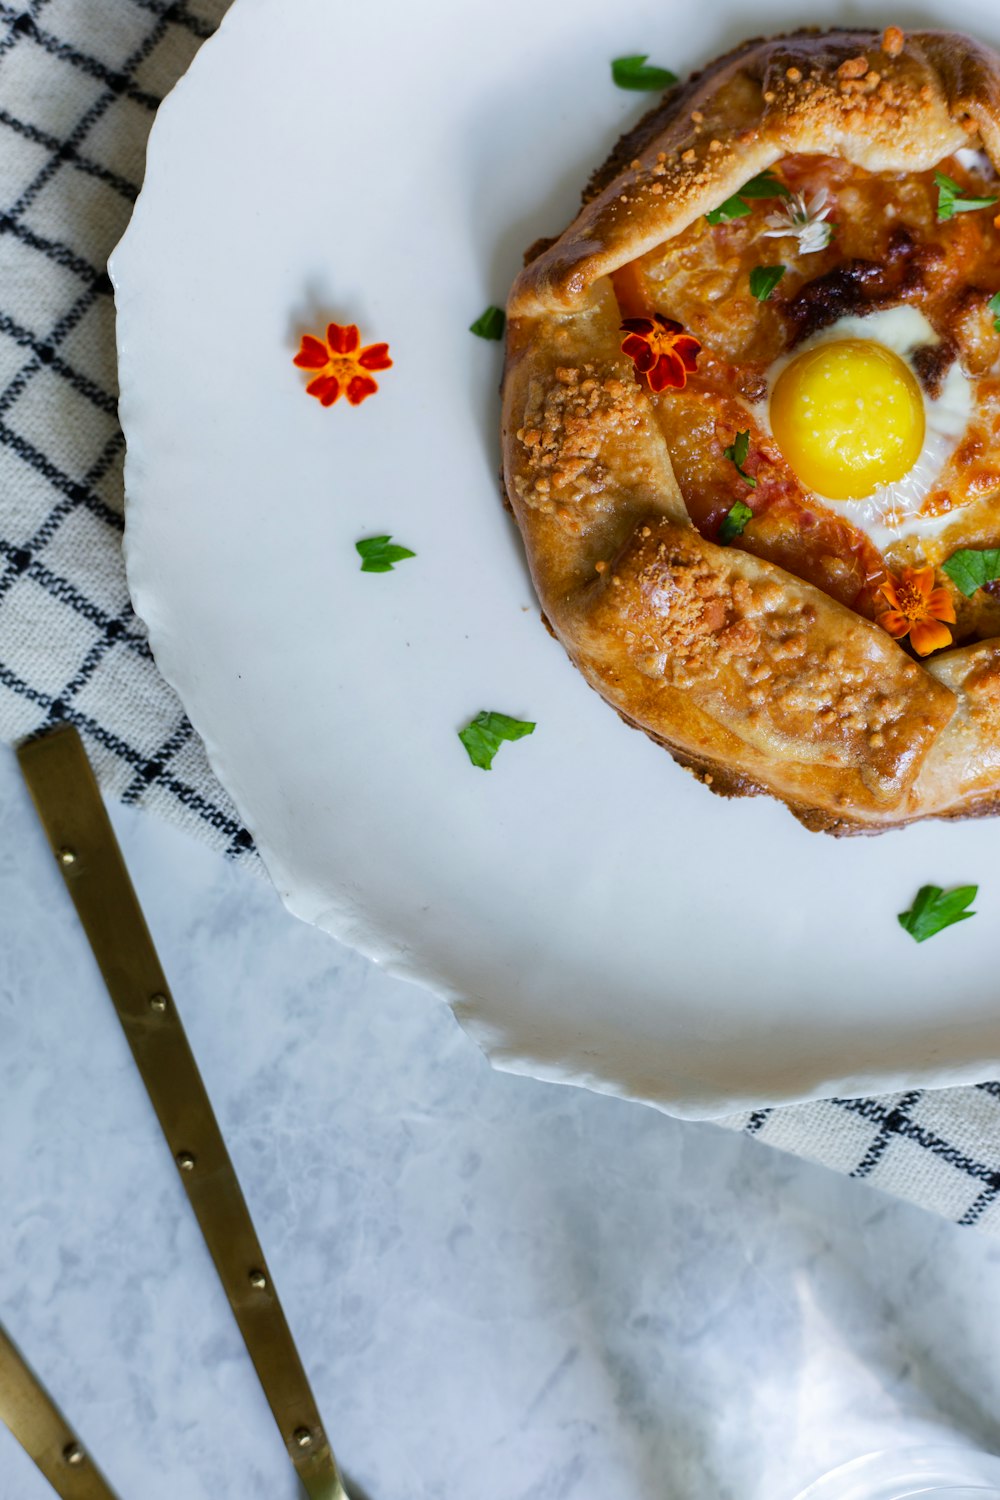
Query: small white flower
(805,219)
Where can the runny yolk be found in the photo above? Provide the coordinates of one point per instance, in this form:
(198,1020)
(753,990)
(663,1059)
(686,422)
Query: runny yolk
(849,417)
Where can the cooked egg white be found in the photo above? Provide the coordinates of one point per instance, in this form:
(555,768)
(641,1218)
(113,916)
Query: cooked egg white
(857,427)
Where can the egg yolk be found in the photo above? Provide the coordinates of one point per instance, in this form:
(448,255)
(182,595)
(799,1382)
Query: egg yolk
(849,417)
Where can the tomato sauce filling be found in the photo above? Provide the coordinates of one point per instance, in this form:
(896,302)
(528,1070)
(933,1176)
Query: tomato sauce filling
(888,248)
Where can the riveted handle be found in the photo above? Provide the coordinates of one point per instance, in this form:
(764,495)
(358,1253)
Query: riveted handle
(69,804)
(43,1432)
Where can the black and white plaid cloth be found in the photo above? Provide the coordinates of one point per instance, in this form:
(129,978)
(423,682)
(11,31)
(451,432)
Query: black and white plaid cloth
(80,81)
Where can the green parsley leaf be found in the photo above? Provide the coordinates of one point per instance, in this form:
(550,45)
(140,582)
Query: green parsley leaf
(379,553)
(733,208)
(737,455)
(969,569)
(993,306)
(764,185)
(764,279)
(734,522)
(935,909)
(484,735)
(489,324)
(635,73)
(951,201)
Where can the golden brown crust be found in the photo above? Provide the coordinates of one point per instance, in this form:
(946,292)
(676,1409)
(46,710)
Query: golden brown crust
(678,631)
(960,777)
(751,677)
(800,93)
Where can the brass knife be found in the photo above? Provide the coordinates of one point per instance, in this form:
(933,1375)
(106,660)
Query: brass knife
(69,804)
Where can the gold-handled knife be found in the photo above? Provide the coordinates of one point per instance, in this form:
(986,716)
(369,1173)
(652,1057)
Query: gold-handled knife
(68,801)
(43,1432)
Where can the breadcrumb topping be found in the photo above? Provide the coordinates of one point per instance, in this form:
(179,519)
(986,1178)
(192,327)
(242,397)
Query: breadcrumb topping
(893,41)
(567,426)
(853,67)
(694,623)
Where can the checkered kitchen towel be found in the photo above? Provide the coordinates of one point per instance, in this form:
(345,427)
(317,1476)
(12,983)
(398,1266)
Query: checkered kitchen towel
(80,81)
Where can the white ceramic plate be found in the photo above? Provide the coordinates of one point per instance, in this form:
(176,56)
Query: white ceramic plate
(591,913)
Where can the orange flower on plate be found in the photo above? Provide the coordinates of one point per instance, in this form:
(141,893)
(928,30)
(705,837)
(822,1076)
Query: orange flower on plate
(660,350)
(917,609)
(342,367)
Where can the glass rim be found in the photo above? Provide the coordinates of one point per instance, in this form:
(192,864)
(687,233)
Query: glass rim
(945,1469)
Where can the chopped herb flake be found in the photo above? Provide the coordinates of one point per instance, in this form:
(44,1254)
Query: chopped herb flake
(635,72)
(733,208)
(485,734)
(764,185)
(969,569)
(737,454)
(993,306)
(379,553)
(489,324)
(734,522)
(935,909)
(764,279)
(951,200)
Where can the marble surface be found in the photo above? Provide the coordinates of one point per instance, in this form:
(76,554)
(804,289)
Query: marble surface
(502,1290)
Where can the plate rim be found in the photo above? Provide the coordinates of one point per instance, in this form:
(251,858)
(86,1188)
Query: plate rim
(379,948)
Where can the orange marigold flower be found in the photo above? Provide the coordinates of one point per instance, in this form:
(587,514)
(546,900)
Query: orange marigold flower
(660,350)
(342,367)
(917,609)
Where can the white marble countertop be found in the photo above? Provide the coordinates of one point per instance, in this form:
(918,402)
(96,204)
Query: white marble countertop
(502,1290)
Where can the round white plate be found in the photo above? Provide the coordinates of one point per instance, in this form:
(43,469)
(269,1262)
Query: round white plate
(591,913)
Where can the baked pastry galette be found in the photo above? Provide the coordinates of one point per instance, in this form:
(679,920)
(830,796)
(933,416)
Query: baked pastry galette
(751,426)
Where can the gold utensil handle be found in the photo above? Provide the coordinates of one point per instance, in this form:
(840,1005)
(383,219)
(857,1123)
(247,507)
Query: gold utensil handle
(43,1432)
(68,801)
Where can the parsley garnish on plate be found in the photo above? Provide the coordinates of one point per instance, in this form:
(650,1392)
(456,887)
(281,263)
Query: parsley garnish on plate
(764,185)
(935,909)
(993,306)
(969,569)
(484,735)
(489,324)
(764,279)
(737,455)
(733,522)
(951,200)
(379,554)
(635,72)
